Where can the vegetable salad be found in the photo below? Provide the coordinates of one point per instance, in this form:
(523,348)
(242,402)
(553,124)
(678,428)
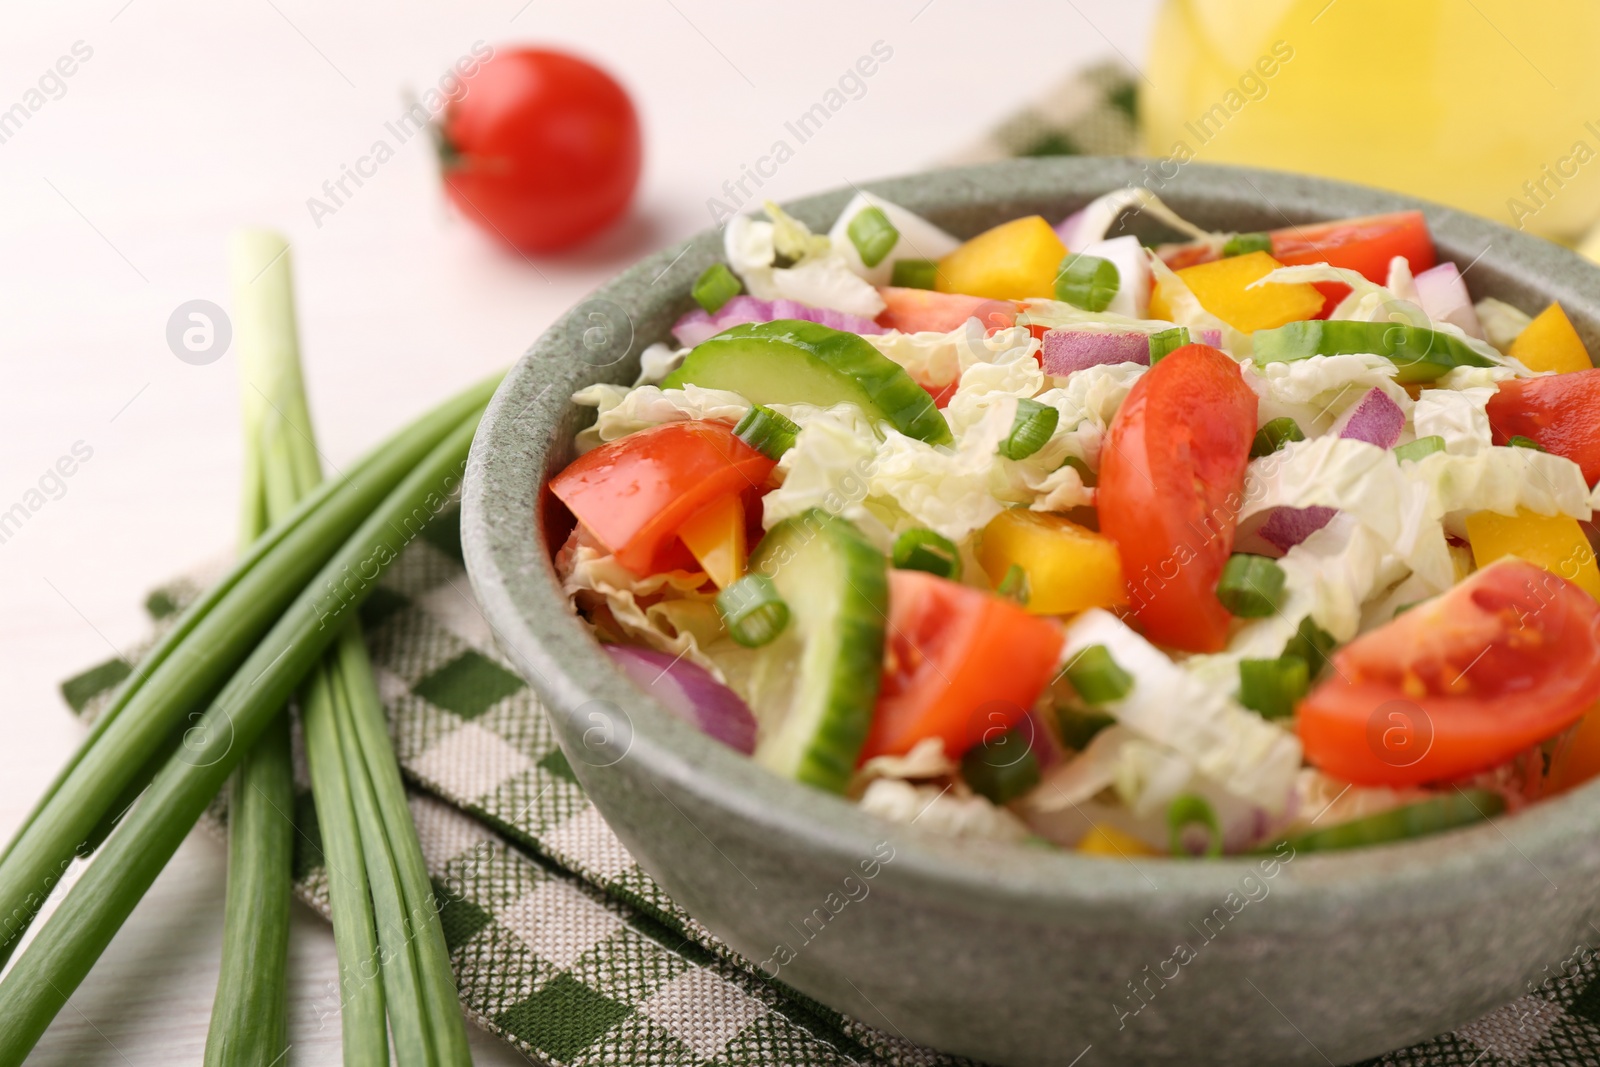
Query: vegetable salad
(1051,535)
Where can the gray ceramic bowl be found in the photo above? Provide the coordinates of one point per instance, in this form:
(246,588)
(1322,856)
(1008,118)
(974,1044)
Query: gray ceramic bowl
(1008,954)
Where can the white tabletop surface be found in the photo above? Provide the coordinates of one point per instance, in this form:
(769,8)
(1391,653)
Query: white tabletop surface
(189,119)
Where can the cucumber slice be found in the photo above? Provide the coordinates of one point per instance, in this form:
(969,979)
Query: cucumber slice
(792,362)
(1434,815)
(1422,355)
(814,687)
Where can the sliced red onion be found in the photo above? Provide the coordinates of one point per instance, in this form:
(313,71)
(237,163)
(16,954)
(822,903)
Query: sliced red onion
(1066,351)
(698,325)
(1244,829)
(1287,527)
(1375,419)
(1274,531)
(1444,298)
(1067,229)
(1211,337)
(1040,740)
(690,692)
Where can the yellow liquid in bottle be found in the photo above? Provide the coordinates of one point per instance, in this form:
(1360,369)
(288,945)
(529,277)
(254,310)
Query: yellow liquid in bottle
(1492,106)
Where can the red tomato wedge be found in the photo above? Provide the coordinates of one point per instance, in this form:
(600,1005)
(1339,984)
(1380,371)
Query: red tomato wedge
(1171,482)
(1561,412)
(923,310)
(958,662)
(633,493)
(1365,244)
(1506,659)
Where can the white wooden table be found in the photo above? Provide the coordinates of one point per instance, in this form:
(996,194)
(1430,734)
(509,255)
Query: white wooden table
(180,121)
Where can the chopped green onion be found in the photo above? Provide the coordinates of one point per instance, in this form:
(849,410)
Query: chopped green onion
(1097,678)
(1446,811)
(1274,435)
(752,610)
(1422,446)
(873,235)
(922,549)
(1003,769)
(1165,342)
(1190,810)
(1079,725)
(1014,585)
(715,287)
(1311,643)
(1242,244)
(1519,441)
(1032,427)
(1251,587)
(1422,355)
(766,431)
(68,943)
(914,273)
(1085,475)
(1087,282)
(1272,687)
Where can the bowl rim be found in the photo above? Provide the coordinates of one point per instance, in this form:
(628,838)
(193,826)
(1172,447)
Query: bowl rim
(515,582)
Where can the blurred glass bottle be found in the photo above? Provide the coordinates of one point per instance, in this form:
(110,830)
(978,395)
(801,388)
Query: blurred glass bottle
(1492,106)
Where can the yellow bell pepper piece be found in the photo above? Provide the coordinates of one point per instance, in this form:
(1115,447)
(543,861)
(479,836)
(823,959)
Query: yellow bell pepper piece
(1222,287)
(715,537)
(1579,761)
(1013,261)
(1550,343)
(1104,840)
(1554,542)
(1069,568)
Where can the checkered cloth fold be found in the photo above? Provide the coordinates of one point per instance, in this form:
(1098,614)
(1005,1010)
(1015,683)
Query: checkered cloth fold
(560,942)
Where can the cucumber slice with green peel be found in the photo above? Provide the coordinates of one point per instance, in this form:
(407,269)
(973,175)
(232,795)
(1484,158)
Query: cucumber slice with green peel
(1422,355)
(1434,815)
(813,688)
(792,362)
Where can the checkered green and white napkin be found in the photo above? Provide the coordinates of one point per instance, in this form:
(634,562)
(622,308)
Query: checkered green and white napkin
(560,942)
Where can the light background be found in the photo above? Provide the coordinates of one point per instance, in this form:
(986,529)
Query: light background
(190,119)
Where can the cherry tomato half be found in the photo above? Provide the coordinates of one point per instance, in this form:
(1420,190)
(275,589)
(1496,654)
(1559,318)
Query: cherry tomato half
(958,664)
(635,492)
(540,148)
(1561,412)
(1464,682)
(1171,484)
(923,310)
(1366,245)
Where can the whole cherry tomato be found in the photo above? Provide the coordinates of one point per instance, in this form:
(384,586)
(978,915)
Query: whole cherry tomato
(540,148)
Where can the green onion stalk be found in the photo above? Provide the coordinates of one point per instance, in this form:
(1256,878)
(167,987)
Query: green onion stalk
(172,686)
(249,1015)
(72,939)
(379,918)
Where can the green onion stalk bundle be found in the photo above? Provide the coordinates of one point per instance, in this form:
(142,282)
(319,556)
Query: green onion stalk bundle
(209,699)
